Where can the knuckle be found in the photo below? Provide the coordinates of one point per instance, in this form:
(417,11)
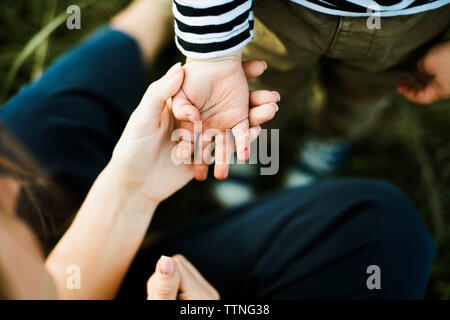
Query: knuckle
(179,258)
(164,291)
(184,296)
(150,281)
(152,88)
(261,117)
(153,92)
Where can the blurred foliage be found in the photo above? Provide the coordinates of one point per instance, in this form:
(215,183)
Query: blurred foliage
(410,147)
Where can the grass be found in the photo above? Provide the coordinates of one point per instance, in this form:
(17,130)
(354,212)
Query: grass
(411,147)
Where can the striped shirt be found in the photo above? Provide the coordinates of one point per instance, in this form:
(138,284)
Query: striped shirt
(207,29)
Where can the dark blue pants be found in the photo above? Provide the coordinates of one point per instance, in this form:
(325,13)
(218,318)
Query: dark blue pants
(306,243)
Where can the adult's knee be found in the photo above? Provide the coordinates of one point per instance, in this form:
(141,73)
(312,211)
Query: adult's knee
(401,242)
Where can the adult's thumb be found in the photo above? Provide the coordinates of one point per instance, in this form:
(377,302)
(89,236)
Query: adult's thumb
(159,91)
(164,284)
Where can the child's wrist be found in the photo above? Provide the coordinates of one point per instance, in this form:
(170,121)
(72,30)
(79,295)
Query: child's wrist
(237,56)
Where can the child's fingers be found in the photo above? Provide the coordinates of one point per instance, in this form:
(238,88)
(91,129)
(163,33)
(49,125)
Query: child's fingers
(417,93)
(261,97)
(425,95)
(420,77)
(254,68)
(241,136)
(407,82)
(261,114)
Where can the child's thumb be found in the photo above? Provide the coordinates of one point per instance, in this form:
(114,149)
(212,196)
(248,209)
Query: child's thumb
(183,110)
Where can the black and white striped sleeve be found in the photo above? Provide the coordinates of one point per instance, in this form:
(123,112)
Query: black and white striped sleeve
(206,29)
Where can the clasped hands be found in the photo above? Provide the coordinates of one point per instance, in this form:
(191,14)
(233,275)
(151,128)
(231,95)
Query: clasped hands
(216,93)
(213,92)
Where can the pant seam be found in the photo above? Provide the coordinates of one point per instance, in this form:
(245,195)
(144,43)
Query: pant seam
(371,43)
(335,36)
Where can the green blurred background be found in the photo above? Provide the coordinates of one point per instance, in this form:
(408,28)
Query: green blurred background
(410,149)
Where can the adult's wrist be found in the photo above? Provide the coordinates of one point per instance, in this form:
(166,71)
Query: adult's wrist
(114,184)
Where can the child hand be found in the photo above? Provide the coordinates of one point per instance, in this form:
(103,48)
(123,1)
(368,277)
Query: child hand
(216,92)
(432,77)
(219,91)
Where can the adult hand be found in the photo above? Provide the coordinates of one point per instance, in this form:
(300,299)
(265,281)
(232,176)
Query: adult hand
(432,77)
(175,278)
(216,92)
(142,159)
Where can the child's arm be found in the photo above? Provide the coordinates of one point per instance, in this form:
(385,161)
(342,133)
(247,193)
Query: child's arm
(432,77)
(207,29)
(211,33)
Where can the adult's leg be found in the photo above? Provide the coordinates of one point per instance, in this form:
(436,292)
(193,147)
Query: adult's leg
(313,242)
(72,116)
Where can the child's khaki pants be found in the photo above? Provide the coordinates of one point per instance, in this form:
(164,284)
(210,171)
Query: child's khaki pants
(359,67)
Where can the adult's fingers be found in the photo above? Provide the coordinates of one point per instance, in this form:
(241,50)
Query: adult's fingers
(185,139)
(254,68)
(184,149)
(154,100)
(164,284)
(220,152)
(193,285)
